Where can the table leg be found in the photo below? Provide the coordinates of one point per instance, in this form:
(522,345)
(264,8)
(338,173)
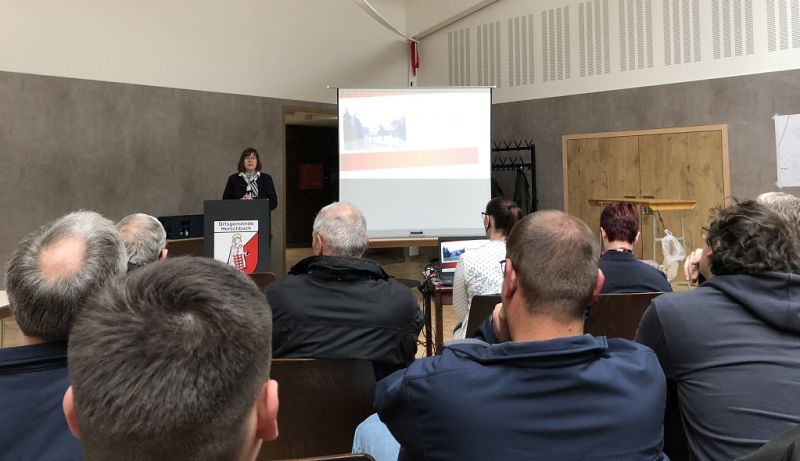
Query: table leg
(426,303)
(439,324)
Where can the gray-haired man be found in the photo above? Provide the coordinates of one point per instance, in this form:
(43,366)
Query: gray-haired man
(145,239)
(339,305)
(50,275)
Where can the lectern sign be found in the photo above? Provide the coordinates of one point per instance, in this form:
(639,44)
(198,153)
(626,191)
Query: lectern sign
(237,233)
(236,243)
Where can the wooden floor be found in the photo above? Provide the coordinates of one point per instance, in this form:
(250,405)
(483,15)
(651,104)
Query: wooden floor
(406,268)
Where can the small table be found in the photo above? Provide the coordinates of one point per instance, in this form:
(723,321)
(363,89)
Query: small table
(440,294)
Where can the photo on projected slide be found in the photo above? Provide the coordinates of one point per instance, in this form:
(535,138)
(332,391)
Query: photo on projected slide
(441,133)
(377,134)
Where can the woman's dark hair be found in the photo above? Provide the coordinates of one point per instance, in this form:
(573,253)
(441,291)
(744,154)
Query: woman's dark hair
(505,213)
(246,153)
(620,220)
(749,238)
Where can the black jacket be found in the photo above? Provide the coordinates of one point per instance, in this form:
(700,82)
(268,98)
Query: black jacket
(236,187)
(625,274)
(336,308)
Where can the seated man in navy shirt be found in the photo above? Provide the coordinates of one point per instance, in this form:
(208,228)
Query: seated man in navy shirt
(50,275)
(619,229)
(538,388)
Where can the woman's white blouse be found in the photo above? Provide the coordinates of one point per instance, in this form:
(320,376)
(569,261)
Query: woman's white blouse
(477,273)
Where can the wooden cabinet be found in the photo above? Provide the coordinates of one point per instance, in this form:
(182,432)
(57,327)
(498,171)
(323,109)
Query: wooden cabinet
(679,163)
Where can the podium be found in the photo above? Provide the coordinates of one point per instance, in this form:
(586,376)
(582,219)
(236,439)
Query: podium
(237,232)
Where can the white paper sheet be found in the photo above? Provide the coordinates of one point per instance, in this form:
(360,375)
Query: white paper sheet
(787,149)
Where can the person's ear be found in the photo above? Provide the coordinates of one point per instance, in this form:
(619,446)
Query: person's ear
(69,411)
(603,235)
(636,239)
(318,245)
(267,411)
(510,282)
(163,254)
(598,286)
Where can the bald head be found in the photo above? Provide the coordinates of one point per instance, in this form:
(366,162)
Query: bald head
(62,259)
(144,238)
(55,268)
(342,230)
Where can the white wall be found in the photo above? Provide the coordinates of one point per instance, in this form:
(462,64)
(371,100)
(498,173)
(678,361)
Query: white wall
(451,56)
(276,48)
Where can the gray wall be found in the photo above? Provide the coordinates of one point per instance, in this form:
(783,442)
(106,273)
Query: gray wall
(746,104)
(68,144)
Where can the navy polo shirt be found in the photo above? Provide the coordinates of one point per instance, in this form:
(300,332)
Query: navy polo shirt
(33,380)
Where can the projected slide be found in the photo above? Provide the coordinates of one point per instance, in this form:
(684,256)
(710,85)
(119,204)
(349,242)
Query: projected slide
(414,133)
(416,160)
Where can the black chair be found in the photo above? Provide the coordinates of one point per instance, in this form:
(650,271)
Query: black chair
(321,404)
(480,308)
(617,315)
(262,280)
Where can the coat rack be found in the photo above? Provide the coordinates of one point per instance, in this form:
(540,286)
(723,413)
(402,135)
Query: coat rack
(511,162)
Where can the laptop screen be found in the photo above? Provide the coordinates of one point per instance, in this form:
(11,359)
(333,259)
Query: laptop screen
(451,249)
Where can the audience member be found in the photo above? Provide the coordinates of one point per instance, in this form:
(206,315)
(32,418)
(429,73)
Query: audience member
(145,239)
(787,206)
(542,389)
(172,363)
(619,230)
(338,305)
(50,275)
(733,345)
(477,272)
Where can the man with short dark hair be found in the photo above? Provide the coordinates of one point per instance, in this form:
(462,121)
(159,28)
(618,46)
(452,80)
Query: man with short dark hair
(145,239)
(338,305)
(50,275)
(619,230)
(539,388)
(733,345)
(172,363)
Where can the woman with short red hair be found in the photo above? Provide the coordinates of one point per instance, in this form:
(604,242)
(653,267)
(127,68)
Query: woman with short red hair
(619,229)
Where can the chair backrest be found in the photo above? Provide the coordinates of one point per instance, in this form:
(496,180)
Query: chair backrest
(321,404)
(480,308)
(186,247)
(617,315)
(262,280)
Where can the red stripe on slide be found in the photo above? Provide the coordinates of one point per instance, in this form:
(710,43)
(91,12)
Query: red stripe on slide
(409,159)
(449,265)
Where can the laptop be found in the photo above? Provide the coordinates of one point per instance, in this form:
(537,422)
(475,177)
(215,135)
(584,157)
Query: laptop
(450,251)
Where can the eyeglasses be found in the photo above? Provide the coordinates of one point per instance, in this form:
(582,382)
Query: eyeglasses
(484,214)
(503,266)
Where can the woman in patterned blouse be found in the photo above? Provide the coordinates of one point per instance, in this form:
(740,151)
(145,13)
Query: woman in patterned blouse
(478,272)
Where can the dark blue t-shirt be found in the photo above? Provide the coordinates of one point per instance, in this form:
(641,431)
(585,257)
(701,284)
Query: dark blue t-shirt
(33,380)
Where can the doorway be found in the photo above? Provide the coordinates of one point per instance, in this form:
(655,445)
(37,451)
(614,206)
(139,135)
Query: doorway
(312,169)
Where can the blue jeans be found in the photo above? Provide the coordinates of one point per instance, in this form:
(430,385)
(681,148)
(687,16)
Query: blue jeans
(374,438)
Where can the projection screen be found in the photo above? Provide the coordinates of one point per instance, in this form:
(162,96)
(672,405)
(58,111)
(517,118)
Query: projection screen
(416,159)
